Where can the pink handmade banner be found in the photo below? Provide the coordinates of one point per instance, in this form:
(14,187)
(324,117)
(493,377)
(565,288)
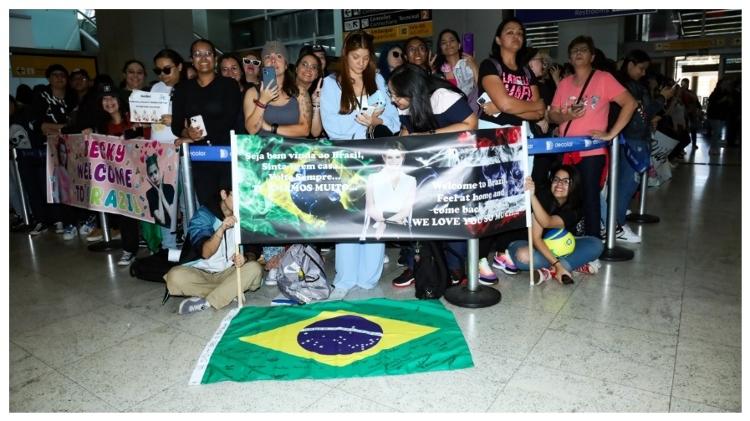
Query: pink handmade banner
(135,178)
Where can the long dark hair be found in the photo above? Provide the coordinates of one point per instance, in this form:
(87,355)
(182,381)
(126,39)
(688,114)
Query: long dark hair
(573,201)
(410,81)
(636,57)
(355,41)
(440,58)
(495,51)
(314,83)
(175,58)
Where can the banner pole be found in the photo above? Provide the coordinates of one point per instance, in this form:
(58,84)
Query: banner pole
(642,217)
(611,251)
(528,161)
(187,180)
(236,212)
(24,204)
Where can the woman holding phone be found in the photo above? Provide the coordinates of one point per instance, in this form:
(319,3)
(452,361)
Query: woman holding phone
(581,108)
(204,111)
(280,107)
(346,99)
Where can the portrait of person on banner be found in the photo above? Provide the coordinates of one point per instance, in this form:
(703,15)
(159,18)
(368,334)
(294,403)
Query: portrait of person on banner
(390,193)
(60,176)
(161,196)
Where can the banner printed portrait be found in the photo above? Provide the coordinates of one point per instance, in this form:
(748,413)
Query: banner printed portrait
(447,186)
(135,178)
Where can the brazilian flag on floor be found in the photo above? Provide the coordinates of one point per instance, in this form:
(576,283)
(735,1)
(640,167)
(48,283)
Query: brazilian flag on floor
(332,339)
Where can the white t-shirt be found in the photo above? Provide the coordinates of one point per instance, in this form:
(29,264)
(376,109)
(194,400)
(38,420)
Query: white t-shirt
(222,259)
(387,197)
(162,132)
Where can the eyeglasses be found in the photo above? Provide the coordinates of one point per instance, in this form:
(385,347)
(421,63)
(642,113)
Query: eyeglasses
(198,54)
(307,65)
(167,70)
(396,54)
(564,181)
(582,50)
(252,61)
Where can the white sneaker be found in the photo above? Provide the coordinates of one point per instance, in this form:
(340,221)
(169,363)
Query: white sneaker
(271,277)
(624,233)
(59,228)
(70,232)
(193,304)
(126,259)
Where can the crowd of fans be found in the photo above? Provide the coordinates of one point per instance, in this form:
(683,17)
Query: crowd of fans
(407,89)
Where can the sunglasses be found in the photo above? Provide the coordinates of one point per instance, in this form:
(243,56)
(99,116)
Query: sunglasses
(395,54)
(166,70)
(254,62)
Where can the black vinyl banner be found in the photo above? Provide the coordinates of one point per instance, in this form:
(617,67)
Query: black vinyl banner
(447,186)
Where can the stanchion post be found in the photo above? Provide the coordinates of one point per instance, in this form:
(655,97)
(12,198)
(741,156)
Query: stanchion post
(611,251)
(107,243)
(186,172)
(642,217)
(472,295)
(24,204)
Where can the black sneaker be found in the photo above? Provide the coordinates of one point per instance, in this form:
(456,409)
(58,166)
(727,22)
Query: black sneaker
(404,280)
(457,277)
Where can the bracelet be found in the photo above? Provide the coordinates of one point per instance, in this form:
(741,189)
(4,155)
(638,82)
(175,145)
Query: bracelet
(556,262)
(260,104)
(274,128)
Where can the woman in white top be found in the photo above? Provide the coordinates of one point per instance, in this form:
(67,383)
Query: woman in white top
(390,192)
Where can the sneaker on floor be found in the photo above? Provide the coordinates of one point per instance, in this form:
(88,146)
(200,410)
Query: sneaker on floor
(543,275)
(458,277)
(192,305)
(386,259)
(503,262)
(87,227)
(59,228)
(95,235)
(337,294)
(70,232)
(270,278)
(624,233)
(39,228)
(590,268)
(486,275)
(126,258)
(404,280)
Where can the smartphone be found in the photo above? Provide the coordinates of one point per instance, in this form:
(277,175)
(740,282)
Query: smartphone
(485,98)
(468,43)
(577,107)
(269,76)
(196,121)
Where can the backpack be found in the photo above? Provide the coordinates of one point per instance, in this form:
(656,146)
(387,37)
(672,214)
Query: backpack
(152,268)
(431,277)
(301,276)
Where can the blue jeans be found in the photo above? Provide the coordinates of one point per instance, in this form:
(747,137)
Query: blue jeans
(628,180)
(587,249)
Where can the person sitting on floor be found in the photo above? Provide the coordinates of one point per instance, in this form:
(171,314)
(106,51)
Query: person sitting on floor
(210,281)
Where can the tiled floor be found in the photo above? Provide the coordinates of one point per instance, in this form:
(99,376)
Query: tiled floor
(660,333)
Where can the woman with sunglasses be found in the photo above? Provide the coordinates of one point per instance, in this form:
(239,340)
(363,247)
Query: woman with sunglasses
(455,66)
(168,68)
(251,65)
(280,108)
(511,87)
(554,207)
(585,112)
(217,102)
(308,69)
(355,103)
(391,56)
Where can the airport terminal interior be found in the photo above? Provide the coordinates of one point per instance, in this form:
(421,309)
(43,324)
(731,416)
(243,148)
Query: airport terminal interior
(659,333)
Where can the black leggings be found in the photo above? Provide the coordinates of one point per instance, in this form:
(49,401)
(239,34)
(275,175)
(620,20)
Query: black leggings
(591,168)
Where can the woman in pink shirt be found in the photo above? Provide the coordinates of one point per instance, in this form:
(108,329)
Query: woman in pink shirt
(584,112)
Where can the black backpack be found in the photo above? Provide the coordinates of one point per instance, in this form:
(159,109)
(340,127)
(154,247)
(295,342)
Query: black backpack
(431,276)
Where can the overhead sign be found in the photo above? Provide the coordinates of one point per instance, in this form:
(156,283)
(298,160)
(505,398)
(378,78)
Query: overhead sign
(698,43)
(556,15)
(389,25)
(33,65)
